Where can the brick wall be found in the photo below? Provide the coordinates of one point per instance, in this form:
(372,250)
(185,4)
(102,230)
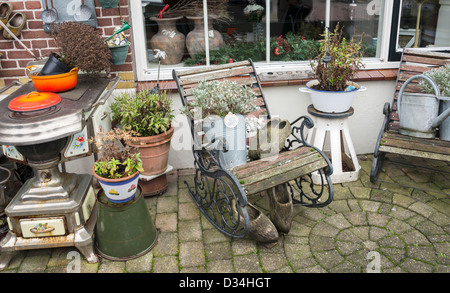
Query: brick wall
(15,58)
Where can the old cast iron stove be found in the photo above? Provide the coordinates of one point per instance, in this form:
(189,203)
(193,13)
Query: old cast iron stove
(52,209)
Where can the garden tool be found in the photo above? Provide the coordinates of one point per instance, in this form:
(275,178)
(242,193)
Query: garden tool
(49,15)
(159,54)
(419,113)
(125,26)
(17,39)
(82,13)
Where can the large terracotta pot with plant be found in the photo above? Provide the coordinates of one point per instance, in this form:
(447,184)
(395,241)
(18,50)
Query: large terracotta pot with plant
(117,169)
(149,116)
(337,62)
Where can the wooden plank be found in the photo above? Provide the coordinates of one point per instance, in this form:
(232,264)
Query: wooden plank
(262,165)
(432,54)
(216,75)
(281,173)
(212,68)
(434,142)
(425,60)
(415,153)
(417,69)
(410,143)
(283,177)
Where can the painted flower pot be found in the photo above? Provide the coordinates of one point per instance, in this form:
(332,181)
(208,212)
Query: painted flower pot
(330,101)
(119,190)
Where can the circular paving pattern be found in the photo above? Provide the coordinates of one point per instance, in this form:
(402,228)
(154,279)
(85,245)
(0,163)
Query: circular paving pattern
(374,236)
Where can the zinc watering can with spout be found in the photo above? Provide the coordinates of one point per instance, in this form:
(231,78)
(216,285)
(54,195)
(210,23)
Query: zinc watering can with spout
(418,112)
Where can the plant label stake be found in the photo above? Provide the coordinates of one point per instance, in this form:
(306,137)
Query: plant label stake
(159,54)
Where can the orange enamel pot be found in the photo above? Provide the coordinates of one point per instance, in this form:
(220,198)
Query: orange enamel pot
(54,83)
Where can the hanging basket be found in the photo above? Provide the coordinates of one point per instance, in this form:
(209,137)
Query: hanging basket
(119,53)
(108,3)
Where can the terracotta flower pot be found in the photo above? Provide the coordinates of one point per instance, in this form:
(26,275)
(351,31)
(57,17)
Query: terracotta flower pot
(154,152)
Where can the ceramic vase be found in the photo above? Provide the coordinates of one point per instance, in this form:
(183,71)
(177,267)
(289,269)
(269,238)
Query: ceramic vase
(169,40)
(195,39)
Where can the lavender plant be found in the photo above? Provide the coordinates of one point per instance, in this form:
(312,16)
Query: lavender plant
(220,98)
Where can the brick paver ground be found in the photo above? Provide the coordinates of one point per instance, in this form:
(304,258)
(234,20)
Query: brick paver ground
(401,222)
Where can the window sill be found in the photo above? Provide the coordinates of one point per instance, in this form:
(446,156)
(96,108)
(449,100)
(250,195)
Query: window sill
(284,78)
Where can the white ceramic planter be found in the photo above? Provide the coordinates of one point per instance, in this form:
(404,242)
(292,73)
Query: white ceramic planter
(119,190)
(331,102)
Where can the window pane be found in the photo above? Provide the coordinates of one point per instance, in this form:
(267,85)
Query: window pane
(237,29)
(418,24)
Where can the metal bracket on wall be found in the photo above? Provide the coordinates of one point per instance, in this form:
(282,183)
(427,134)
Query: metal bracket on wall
(74,10)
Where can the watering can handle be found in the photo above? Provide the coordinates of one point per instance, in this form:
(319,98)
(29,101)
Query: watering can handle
(402,89)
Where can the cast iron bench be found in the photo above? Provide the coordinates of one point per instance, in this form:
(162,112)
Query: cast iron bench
(413,62)
(219,192)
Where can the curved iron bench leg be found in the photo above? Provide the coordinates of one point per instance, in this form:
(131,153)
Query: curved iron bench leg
(304,190)
(378,157)
(221,199)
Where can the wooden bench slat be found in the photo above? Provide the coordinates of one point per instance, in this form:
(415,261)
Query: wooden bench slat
(216,75)
(425,60)
(414,143)
(265,164)
(198,70)
(280,171)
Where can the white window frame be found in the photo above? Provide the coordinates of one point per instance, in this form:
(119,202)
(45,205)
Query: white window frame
(145,74)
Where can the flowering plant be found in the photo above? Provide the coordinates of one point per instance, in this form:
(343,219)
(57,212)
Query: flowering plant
(254,12)
(116,160)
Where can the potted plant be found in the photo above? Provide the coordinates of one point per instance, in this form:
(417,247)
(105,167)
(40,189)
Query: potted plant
(79,45)
(441,77)
(337,62)
(149,115)
(221,106)
(118,166)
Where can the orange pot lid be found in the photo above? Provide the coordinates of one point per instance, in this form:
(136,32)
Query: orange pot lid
(34,101)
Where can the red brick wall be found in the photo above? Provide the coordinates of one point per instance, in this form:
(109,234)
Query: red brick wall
(15,58)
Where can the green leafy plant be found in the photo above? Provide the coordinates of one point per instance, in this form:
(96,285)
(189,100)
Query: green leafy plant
(116,160)
(338,61)
(441,76)
(220,98)
(80,45)
(143,112)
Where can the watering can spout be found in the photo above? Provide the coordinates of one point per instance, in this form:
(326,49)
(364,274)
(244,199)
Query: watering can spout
(125,26)
(439,119)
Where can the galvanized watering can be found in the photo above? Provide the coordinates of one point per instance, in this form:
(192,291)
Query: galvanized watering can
(418,112)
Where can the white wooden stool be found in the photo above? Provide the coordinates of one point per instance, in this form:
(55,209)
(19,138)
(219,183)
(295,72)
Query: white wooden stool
(331,135)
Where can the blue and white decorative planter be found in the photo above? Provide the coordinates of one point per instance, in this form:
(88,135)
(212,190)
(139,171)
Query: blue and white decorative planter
(119,190)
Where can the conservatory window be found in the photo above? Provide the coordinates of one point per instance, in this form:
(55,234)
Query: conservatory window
(271,32)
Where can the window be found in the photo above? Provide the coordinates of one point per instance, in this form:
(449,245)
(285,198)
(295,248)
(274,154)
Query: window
(420,24)
(274,33)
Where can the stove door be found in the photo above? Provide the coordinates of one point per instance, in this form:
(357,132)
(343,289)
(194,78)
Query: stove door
(43,227)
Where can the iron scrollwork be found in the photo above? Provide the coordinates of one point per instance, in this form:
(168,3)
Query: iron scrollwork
(304,190)
(218,195)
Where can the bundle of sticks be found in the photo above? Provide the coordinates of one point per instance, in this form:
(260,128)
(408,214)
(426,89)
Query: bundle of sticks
(217,9)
